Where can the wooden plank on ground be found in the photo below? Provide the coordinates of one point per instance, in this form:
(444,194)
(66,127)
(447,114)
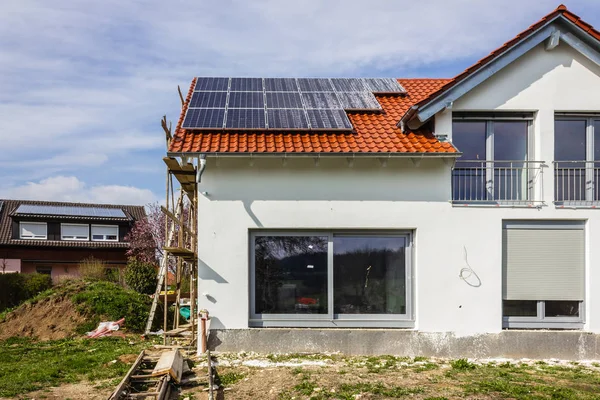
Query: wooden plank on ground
(171,363)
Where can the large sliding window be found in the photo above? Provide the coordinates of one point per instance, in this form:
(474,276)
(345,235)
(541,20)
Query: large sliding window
(330,279)
(576,159)
(543,266)
(494,166)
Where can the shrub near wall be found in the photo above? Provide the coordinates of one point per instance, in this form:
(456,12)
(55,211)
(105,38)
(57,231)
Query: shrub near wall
(16,288)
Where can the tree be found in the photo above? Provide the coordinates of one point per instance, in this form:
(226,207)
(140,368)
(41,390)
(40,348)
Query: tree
(147,236)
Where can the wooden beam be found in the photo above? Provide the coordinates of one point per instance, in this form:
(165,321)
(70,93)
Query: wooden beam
(177,221)
(180,95)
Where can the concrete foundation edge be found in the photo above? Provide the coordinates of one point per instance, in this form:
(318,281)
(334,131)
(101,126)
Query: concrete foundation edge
(566,345)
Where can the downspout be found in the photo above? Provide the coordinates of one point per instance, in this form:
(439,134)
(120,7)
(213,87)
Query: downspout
(202,342)
(201,167)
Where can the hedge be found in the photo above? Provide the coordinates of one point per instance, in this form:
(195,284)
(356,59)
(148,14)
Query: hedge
(16,288)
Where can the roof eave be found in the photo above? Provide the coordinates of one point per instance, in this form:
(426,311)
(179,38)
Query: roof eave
(320,155)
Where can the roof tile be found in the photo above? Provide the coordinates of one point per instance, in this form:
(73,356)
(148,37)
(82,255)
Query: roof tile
(374,132)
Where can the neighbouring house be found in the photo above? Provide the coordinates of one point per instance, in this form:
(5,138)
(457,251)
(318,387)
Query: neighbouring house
(454,217)
(54,237)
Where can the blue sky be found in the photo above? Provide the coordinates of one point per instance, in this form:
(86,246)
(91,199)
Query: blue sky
(85,83)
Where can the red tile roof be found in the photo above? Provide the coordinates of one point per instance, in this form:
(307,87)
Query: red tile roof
(560,10)
(373,132)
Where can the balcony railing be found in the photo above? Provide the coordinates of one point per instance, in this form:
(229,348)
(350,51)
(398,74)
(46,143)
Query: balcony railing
(576,183)
(497,182)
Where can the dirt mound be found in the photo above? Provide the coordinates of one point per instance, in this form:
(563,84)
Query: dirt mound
(51,318)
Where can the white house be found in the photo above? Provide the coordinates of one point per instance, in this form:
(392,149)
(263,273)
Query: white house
(458,219)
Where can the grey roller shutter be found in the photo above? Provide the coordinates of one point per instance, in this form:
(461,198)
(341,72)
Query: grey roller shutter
(543,264)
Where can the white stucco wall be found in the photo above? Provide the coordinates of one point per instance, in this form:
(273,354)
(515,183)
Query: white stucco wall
(332,195)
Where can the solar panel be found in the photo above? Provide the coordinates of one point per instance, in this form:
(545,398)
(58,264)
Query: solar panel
(208,100)
(315,85)
(328,119)
(348,84)
(71,211)
(245,118)
(287,119)
(219,84)
(246,100)
(358,101)
(383,85)
(283,100)
(219,103)
(246,84)
(198,118)
(281,85)
(321,100)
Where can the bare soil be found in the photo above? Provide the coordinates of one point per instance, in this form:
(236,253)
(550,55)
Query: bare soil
(74,391)
(49,319)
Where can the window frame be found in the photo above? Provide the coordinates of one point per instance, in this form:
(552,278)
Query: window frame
(540,321)
(489,118)
(590,139)
(330,319)
(104,239)
(33,237)
(73,238)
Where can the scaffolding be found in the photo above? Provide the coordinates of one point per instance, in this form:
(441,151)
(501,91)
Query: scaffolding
(180,258)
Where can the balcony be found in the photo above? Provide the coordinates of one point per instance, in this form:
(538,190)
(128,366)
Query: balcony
(577,183)
(497,183)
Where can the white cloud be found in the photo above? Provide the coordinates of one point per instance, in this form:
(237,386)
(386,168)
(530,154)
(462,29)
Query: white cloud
(85,83)
(69,188)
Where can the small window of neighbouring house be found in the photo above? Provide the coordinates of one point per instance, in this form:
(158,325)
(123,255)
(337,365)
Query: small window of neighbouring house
(33,230)
(105,233)
(75,232)
(44,270)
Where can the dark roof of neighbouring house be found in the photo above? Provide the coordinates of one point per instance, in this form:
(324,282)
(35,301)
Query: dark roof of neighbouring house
(8,208)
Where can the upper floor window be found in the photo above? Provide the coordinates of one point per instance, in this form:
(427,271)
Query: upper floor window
(33,230)
(105,233)
(576,158)
(75,232)
(495,162)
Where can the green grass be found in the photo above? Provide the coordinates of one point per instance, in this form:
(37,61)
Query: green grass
(229,378)
(27,366)
(462,364)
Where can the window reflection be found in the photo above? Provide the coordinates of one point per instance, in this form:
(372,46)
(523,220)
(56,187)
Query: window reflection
(291,274)
(369,275)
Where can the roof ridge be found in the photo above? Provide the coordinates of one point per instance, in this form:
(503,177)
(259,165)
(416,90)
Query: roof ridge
(561,10)
(68,203)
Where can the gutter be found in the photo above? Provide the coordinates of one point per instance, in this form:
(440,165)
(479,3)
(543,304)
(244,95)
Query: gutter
(202,156)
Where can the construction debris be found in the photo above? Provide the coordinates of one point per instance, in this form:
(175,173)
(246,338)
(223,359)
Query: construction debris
(108,328)
(153,375)
(169,363)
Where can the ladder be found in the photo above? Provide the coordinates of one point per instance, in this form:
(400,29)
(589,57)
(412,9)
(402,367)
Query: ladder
(162,271)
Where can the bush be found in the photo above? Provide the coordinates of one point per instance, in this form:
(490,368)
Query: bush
(110,302)
(140,276)
(16,288)
(37,283)
(93,269)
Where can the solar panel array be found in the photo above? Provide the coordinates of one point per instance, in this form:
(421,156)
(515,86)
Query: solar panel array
(283,103)
(71,211)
